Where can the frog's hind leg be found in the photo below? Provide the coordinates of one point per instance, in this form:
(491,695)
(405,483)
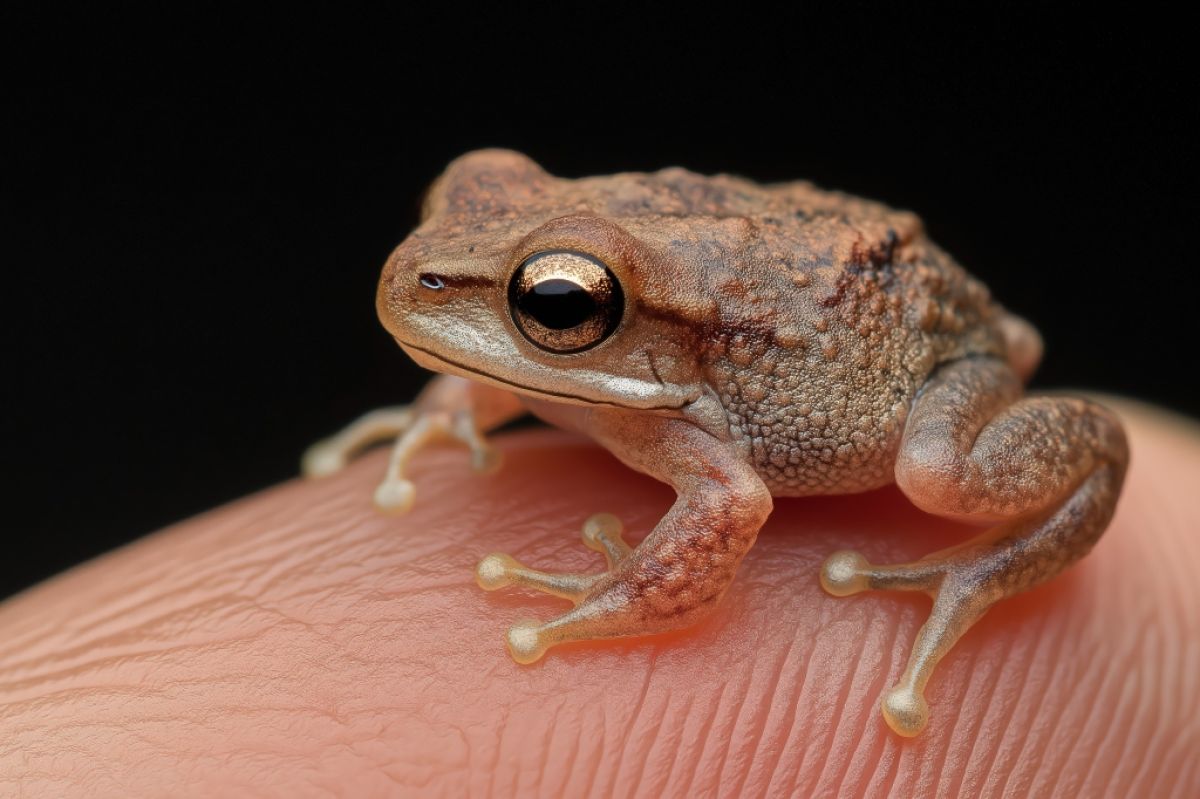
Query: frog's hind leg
(1047,469)
(965,581)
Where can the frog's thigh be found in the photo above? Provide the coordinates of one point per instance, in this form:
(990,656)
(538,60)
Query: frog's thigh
(680,571)
(1047,469)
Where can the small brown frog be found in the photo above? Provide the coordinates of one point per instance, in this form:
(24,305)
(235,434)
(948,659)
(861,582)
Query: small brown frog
(738,342)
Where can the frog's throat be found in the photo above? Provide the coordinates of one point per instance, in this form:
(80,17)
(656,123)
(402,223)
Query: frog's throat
(440,363)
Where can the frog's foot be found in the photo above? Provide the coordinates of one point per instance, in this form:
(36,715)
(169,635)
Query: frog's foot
(956,607)
(967,579)
(413,429)
(528,640)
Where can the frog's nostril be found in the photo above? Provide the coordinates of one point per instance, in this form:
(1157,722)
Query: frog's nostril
(432,282)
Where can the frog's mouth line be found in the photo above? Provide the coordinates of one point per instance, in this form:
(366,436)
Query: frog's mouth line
(455,365)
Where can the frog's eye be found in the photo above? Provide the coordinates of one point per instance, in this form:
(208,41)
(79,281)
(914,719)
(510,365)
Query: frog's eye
(565,301)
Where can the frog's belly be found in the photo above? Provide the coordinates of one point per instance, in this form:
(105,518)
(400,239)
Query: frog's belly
(796,450)
(808,473)
(802,452)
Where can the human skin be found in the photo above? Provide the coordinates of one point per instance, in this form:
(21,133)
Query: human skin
(297,643)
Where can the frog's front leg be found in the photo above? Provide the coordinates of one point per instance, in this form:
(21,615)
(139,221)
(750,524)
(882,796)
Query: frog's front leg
(448,408)
(1045,471)
(680,571)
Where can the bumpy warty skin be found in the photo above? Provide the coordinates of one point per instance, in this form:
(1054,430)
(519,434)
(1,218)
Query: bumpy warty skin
(817,378)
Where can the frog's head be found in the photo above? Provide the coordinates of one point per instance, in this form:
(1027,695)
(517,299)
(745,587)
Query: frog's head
(528,282)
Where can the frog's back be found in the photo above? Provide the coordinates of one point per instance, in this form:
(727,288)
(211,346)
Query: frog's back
(795,258)
(838,310)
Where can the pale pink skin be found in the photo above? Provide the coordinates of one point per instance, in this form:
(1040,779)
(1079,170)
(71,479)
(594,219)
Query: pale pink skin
(298,643)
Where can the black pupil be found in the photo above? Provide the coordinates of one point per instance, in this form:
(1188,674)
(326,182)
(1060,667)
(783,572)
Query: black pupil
(558,304)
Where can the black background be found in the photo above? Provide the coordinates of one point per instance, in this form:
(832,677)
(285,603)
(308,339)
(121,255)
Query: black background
(195,210)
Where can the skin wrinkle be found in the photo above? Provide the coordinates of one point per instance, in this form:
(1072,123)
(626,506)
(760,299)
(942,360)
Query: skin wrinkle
(1124,766)
(1036,759)
(893,769)
(571,757)
(739,740)
(836,761)
(634,717)
(951,776)
(869,748)
(756,725)
(1158,700)
(1081,704)
(650,779)
(683,726)
(769,737)
(1108,673)
(1103,758)
(860,739)
(699,749)
(599,759)
(814,750)
(1135,708)
(829,751)
(988,734)
(774,684)
(793,728)
(993,764)
(1179,669)
(723,742)
(376,668)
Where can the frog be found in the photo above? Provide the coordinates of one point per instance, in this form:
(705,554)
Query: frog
(741,342)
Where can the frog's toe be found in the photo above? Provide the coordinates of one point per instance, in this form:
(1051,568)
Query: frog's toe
(485,459)
(498,570)
(395,495)
(845,573)
(526,641)
(322,459)
(905,710)
(602,533)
